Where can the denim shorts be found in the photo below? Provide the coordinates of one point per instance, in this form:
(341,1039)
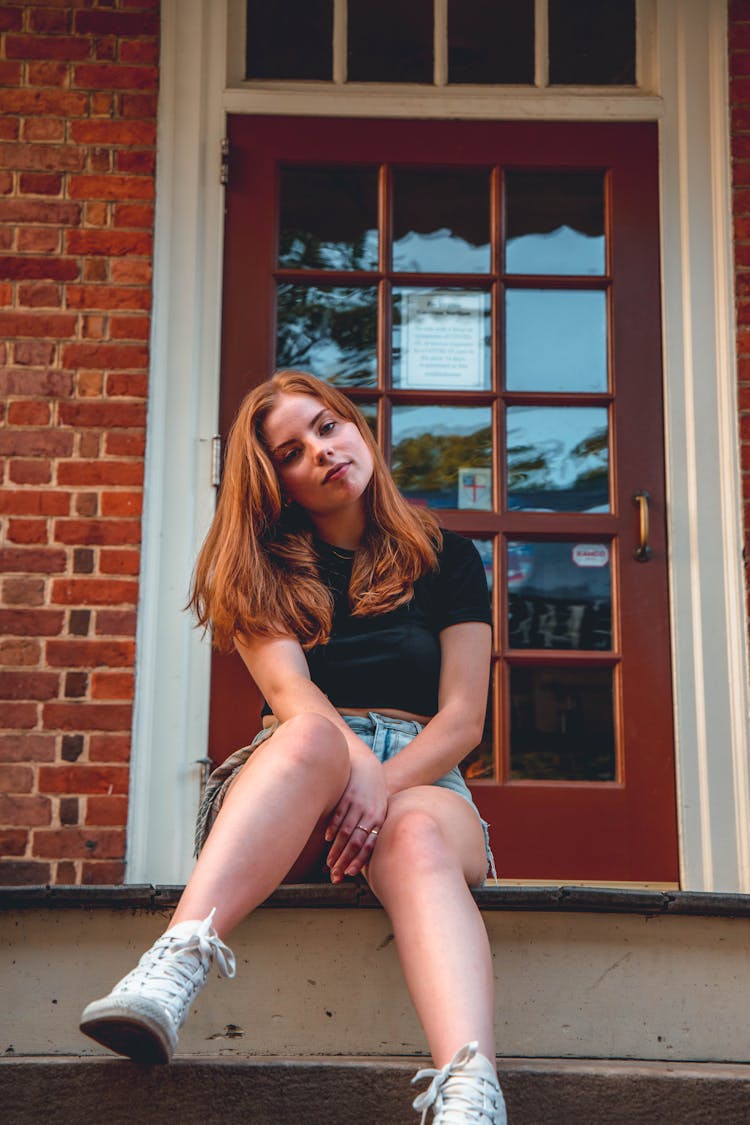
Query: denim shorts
(385,737)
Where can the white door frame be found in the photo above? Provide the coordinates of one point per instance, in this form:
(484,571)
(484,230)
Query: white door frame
(702,446)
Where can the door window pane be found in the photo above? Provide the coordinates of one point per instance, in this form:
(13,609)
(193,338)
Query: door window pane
(592,42)
(562,724)
(479,764)
(559,595)
(390,41)
(442,455)
(441,222)
(558,458)
(556,340)
(555,222)
(491,41)
(289,39)
(329,330)
(370,412)
(328,218)
(441,339)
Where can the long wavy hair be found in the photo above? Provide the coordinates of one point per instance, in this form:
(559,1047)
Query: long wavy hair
(257,573)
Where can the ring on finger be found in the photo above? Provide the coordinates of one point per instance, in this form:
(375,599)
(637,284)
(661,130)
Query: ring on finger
(373,832)
(362,827)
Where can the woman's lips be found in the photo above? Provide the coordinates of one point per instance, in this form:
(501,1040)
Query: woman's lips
(336,472)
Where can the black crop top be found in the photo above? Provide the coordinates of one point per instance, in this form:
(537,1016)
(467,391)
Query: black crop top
(393,660)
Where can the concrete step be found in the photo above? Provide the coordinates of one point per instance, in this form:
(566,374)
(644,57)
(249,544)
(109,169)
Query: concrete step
(368,1091)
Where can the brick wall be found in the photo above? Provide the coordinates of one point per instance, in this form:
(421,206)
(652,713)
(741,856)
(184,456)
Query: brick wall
(739,73)
(78,82)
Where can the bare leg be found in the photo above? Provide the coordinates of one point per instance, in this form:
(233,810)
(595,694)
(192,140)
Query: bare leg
(269,817)
(429,850)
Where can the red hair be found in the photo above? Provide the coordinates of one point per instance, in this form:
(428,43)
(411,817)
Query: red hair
(257,571)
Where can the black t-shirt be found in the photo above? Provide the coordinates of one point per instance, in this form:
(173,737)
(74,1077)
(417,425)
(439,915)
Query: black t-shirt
(393,660)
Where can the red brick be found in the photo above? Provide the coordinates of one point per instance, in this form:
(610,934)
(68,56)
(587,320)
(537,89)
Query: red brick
(27,748)
(13,841)
(121,503)
(93,591)
(29,413)
(138,106)
(56,269)
(134,215)
(119,562)
(36,443)
(66,47)
(130,328)
(10,75)
(56,103)
(31,622)
(107,811)
(39,560)
(115,623)
(86,716)
(109,532)
(43,129)
(16,779)
(107,297)
(49,21)
(131,271)
(40,211)
(23,872)
(48,74)
(29,503)
(99,472)
(77,843)
(40,183)
(39,294)
(27,812)
(90,654)
(109,748)
(29,685)
(94,874)
(83,779)
(20,652)
(135,25)
(36,324)
(30,472)
(104,77)
(38,240)
(139,51)
(113,132)
(95,269)
(18,716)
(27,531)
(33,353)
(138,162)
(97,214)
(120,443)
(41,157)
(23,591)
(110,187)
(109,242)
(10,18)
(108,415)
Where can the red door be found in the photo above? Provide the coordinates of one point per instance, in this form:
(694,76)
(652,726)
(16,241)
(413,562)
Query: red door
(489,296)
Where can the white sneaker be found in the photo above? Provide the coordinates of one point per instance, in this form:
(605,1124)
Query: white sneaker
(463,1092)
(144,1012)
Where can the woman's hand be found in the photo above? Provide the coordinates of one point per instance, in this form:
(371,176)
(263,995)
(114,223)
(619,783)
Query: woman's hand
(362,807)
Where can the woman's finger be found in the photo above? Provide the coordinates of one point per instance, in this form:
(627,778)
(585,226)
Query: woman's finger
(355,853)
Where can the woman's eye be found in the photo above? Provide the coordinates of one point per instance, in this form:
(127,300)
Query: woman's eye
(289,456)
(327,427)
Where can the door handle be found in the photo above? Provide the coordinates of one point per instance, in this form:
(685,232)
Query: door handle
(642,553)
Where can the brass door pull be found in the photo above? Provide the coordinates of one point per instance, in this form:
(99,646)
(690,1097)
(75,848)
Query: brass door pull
(642,553)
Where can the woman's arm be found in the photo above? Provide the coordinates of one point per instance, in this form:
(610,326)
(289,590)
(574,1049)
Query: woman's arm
(279,668)
(462,701)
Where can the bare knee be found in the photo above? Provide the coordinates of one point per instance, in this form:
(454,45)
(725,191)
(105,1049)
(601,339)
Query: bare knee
(411,842)
(311,740)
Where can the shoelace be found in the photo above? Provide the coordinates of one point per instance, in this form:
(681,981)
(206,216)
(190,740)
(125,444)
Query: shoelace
(166,975)
(474,1098)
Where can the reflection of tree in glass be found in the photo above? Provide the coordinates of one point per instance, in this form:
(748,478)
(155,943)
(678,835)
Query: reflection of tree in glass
(538,465)
(301,249)
(331,332)
(430,462)
(528,467)
(594,447)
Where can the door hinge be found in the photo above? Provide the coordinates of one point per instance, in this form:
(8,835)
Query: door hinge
(216,460)
(224,166)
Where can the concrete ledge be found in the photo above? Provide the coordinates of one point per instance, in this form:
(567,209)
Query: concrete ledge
(594,900)
(339,1091)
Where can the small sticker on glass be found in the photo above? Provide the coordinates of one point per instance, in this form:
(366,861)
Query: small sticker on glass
(591,554)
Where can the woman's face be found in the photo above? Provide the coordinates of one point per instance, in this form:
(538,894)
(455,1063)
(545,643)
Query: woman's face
(322,461)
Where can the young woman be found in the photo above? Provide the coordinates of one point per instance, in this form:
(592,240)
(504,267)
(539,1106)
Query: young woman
(367,630)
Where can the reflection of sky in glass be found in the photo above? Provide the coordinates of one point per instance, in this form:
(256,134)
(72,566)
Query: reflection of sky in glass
(440,421)
(330,331)
(562,251)
(441,251)
(558,458)
(556,340)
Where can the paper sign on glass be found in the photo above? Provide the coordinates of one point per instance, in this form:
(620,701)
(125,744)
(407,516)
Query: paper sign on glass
(475,488)
(442,339)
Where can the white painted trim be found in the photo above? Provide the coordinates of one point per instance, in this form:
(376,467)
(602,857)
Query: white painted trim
(707,583)
(171,708)
(704,509)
